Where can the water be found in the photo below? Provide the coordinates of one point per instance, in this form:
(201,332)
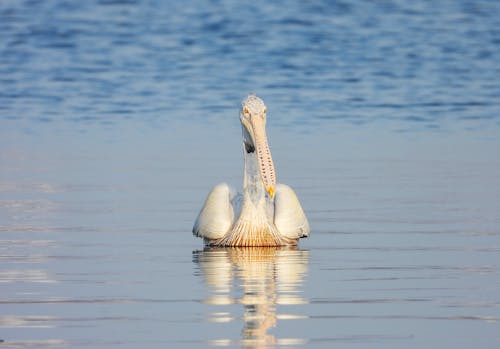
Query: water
(117,117)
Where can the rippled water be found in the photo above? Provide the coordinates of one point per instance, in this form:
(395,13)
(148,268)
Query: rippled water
(117,117)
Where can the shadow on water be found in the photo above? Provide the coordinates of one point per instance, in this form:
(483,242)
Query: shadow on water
(259,279)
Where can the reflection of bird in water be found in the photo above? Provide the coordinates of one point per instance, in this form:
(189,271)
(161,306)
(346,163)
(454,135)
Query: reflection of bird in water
(267,276)
(267,214)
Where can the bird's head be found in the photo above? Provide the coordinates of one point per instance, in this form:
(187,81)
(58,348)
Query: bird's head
(253,119)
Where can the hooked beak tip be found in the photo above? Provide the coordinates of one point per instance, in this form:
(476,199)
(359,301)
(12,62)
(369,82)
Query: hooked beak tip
(270,190)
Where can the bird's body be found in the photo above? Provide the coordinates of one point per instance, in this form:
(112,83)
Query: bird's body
(266,214)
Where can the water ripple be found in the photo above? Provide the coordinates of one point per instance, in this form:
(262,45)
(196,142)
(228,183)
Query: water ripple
(104,51)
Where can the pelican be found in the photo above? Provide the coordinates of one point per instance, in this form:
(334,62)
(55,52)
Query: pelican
(266,214)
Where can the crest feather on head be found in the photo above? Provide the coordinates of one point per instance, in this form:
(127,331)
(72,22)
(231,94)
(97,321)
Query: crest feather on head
(254,104)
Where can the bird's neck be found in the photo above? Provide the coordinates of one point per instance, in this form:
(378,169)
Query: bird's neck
(255,202)
(253,187)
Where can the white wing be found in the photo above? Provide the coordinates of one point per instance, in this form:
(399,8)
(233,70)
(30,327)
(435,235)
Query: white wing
(289,217)
(217,214)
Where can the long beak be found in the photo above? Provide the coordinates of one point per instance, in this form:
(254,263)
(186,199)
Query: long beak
(266,165)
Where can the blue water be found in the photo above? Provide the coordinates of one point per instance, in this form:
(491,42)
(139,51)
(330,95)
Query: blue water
(420,66)
(117,117)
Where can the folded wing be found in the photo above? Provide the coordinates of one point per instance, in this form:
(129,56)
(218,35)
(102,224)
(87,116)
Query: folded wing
(217,214)
(289,217)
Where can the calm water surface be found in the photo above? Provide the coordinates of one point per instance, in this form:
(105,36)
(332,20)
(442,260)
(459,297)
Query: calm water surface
(117,117)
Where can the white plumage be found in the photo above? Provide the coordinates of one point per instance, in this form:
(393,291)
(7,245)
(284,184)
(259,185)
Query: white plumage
(266,214)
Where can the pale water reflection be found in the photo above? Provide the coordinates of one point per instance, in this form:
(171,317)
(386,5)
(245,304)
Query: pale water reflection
(259,279)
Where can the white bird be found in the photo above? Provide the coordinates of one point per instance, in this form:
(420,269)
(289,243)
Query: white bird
(267,214)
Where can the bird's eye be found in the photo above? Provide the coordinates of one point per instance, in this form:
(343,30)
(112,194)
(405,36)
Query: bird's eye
(265,110)
(246,111)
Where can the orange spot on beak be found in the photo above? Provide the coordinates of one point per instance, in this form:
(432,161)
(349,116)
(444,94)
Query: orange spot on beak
(270,190)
